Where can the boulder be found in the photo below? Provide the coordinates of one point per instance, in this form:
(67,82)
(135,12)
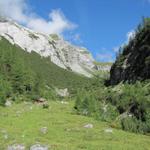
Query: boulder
(38,147)
(41,101)
(62,92)
(16,147)
(109,130)
(63,102)
(6,136)
(90,126)
(8,103)
(44,130)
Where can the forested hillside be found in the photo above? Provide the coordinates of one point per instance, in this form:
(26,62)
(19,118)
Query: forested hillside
(133,61)
(125,105)
(29,74)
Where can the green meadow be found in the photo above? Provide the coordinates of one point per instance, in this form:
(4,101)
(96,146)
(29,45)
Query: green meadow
(22,123)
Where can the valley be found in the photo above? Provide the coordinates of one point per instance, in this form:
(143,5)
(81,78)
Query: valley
(55,96)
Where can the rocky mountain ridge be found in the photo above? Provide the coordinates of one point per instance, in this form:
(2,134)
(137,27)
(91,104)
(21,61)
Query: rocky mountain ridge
(61,52)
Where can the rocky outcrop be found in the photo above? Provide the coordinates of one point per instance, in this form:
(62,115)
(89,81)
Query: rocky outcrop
(104,67)
(134,62)
(62,92)
(61,52)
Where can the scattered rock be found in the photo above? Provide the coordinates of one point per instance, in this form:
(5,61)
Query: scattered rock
(130,115)
(109,130)
(16,147)
(62,92)
(90,126)
(18,113)
(44,130)
(8,103)
(6,136)
(62,102)
(105,108)
(41,101)
(38,147)
(85,112)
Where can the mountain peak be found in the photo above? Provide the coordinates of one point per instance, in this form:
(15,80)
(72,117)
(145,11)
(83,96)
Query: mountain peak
(61,52)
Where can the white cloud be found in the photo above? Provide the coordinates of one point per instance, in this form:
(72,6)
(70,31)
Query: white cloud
(15,9)
(19,10)
(57,23)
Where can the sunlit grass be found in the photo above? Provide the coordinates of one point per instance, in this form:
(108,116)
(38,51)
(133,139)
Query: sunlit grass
(22,124)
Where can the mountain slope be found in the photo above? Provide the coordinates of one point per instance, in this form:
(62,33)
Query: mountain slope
(134,61)
(12,55)
(65,130)
(60,52)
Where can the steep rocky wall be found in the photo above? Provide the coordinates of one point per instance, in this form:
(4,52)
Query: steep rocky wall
(61,52)
(134,62)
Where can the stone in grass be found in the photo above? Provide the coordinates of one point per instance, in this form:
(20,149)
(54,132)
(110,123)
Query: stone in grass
(63,102)
(44,130)
(109,130)
(8,103)
(31,107)
(90,126)
(38,147)
(5,136)
(16,147)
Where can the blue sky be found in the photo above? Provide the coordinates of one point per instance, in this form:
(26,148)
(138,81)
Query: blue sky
(99,25)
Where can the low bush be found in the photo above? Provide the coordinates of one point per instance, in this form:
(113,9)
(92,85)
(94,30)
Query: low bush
(109,103)
(45,106)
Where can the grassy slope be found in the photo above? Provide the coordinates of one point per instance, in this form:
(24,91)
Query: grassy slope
(103,63)
(65,130)
(51,73)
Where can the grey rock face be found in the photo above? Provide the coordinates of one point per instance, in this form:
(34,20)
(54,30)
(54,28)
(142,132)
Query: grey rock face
(8,103)
(61,52)
(109,130)
(62,92)
(44,130)
(38,147)
(16,147)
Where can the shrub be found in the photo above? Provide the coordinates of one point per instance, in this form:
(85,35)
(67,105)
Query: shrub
(130,124)
(88,103)
(5,90)
(133,99)
(45,106)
